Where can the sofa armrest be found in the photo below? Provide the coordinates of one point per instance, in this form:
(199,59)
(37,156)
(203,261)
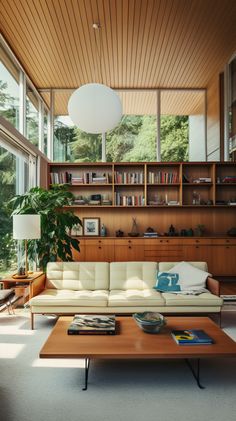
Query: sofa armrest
(213,285)
(37,285)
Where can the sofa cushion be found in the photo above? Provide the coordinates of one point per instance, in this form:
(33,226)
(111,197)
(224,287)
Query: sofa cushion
(59,297)
(202,300)
(166,266)
(167,282)
(132,275)
(135,297)
(190,276)
(78,275)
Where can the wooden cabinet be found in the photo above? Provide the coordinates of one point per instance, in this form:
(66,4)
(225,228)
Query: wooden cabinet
(223,256)
(23,287)
(158,195)
(219,253)
(129,250)
(99,250)
(165,250)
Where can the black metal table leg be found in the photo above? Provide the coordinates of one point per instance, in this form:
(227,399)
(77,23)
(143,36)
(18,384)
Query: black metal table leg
(87,362)
(195,373)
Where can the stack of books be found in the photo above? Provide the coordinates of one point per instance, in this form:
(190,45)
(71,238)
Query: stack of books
(92,324)
(191,337)
(150,234)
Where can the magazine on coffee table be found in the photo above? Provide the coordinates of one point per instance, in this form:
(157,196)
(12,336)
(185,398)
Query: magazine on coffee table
(191,337)
(92,324)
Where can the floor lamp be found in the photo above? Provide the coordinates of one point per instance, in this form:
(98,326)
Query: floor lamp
(26,227)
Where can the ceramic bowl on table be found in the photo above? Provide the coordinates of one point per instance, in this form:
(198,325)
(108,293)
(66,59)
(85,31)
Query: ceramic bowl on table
(149,321)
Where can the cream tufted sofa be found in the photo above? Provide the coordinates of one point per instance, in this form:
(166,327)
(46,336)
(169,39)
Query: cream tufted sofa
(117,287)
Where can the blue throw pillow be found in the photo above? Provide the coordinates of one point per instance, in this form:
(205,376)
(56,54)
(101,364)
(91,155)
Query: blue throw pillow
(167,282)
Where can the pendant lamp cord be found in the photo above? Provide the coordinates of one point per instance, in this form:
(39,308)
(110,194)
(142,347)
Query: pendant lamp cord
(98,43)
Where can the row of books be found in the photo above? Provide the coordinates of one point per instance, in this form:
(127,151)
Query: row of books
(162,177)
(84,178)
(129,178)
(134,200)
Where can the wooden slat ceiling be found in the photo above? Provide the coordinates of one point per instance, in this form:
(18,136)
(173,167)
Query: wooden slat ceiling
(141,43)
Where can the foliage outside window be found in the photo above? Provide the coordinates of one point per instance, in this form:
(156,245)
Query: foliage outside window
(8,164)
(9,94)
(32,117)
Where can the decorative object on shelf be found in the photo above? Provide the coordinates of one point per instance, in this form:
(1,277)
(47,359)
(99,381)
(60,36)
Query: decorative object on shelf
(91,227)
(149,321)
(94,107)
(26,227)
(199,230)
(134,230)
(171,231)
(183,233)
(119,233)
(190,232)
(196,198)
(103,231)
(55,243)
(232,232)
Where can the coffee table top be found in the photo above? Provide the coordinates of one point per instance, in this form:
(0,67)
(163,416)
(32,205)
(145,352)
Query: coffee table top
(131,342)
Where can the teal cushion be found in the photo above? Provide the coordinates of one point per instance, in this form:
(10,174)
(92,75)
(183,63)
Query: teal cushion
(167,282)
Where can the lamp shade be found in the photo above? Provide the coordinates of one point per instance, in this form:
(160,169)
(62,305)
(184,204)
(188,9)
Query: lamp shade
(26,227)
(95,108)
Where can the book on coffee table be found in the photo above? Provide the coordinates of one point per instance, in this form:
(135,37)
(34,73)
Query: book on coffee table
(191,337)
(92,324)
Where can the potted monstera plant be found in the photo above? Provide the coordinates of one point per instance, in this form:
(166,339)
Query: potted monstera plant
(56,242)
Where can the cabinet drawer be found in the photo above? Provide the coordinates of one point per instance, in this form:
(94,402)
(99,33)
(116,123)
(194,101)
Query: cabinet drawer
(193,241)
(157,241)
(99,242)
(224,241)
(127,242)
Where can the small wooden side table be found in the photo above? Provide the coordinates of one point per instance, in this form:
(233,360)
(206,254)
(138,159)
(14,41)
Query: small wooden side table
(22,287)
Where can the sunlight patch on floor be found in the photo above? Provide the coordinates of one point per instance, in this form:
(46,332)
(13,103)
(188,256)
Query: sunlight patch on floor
(58,363)
(10,350)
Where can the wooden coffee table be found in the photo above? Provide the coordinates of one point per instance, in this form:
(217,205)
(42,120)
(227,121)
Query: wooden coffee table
(130,342)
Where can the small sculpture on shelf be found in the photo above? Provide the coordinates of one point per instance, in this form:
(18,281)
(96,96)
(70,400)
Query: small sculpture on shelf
(134,230)
(119,233)
(199,230)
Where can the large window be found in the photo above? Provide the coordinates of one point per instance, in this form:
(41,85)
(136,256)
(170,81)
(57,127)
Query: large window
(70,143)
(182,125)
(165,125)
(9,90)
(14,179)
(32,116)
(134,139)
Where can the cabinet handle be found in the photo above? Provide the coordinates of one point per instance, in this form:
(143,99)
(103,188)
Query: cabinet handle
(99,247)
(167,241)
(99,241)
(130,247)
(161,241)
(129,241)
(227,241)
(197,241)
(227,247)
(197,247)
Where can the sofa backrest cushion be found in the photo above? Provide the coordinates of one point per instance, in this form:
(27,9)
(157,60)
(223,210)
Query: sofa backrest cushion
(132,275)
(78,275)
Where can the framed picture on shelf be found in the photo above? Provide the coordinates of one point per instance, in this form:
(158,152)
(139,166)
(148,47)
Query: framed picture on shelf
(91,226)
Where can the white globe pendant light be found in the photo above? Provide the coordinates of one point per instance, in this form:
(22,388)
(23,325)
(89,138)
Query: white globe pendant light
(95,108)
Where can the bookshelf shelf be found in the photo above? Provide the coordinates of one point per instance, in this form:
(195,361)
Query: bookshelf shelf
(137,184)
